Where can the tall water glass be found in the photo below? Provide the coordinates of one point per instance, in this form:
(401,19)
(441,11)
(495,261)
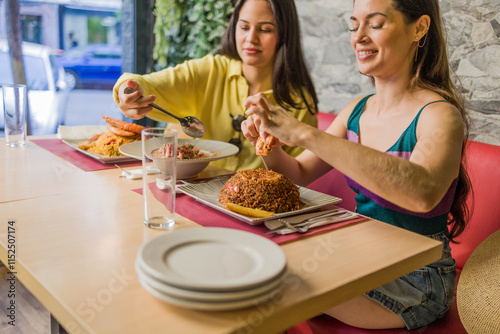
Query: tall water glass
(15,107)
(159,148)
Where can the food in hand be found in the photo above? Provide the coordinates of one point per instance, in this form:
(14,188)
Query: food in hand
(184,151)
(261,189)
(107,143)
(257,213)
(263,146)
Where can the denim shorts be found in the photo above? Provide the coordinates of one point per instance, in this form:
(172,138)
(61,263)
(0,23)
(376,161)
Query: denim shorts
(424,295)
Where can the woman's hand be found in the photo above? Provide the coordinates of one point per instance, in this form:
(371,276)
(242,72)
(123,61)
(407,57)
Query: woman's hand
(267,119)
(134,105)
(250,130)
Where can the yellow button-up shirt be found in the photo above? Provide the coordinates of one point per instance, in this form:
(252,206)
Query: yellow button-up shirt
(212,89)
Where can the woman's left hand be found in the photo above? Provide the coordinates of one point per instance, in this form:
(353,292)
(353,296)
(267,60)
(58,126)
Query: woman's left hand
(250,129)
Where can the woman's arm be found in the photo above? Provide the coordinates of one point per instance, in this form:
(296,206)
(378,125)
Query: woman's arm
(307,166)
(417,184)
(178,89)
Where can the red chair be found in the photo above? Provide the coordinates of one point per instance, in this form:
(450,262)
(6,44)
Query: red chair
(482,164)
(325,119)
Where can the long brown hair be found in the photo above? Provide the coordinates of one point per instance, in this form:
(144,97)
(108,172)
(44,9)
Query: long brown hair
(290,72)
(431,70)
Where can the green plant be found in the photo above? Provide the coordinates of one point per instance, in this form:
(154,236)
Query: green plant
(96,32)
(187,29)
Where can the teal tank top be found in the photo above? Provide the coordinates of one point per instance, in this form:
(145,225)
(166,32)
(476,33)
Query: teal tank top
(371,205)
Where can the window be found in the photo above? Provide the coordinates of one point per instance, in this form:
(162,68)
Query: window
(36,75)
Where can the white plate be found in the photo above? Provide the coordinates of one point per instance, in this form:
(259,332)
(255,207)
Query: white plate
(188,168)
(212,259)
(208,193)
(210,296)
(99,157)
(211,306)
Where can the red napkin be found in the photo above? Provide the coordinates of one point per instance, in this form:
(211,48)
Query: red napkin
(68,153)
(207,216)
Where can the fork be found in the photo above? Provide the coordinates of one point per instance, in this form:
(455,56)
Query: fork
(301,229)
(290,226)
(305,226)
(314,219)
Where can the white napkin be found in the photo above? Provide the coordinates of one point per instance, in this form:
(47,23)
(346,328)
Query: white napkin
(79,132)
(135,174)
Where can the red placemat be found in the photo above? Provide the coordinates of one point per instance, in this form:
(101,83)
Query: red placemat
(68,153)
(206,216)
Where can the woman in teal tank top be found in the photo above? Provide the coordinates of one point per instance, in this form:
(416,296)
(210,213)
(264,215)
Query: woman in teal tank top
(369,204)
(400,149)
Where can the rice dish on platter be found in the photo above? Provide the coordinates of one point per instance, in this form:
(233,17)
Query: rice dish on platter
(261,189)
(107,143)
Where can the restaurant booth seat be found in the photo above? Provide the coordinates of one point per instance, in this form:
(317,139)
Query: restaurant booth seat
(482,162)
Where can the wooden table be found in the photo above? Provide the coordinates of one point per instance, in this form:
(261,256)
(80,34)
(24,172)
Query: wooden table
(77,234)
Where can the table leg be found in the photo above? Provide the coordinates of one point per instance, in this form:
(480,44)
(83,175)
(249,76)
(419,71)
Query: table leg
(55,327)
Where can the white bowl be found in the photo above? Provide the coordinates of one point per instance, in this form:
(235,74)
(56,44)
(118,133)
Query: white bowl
(187,168)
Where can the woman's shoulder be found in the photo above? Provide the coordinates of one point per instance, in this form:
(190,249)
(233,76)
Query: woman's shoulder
(438,113)
(217,59)
(352,110)
(435,105)
(353,105)
(218,63)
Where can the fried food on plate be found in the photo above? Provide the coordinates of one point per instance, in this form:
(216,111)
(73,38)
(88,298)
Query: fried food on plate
(122,128)
(107,143)
(257,213)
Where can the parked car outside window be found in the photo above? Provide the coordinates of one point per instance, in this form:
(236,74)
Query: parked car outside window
(47,90)
(92,66)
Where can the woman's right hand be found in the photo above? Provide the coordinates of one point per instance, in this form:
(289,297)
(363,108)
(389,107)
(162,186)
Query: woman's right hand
(267,119)
(134,105)
(250,129)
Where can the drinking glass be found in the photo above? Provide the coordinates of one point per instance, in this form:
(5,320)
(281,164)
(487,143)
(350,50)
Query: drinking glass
(15,106)
(159,148)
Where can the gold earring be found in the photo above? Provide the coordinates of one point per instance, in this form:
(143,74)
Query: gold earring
(419,45)
(425,39)
(416,49)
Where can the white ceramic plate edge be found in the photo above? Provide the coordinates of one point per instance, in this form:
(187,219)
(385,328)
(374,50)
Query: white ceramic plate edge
(208,296)
(211,306)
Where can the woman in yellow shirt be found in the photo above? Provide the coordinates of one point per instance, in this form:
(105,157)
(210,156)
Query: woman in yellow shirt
(260,52)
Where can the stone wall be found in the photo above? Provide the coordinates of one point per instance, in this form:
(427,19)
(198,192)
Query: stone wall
(473,38)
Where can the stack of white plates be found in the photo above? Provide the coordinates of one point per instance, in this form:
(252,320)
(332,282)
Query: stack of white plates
(211,268)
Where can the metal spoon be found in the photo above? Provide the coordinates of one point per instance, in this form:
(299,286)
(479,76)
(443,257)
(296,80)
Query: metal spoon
(191,125)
